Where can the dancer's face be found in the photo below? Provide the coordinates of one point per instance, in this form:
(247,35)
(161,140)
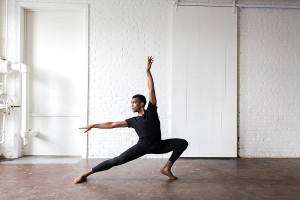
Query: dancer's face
(136,105)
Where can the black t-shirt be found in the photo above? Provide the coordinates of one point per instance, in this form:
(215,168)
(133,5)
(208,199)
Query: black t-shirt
(147,126)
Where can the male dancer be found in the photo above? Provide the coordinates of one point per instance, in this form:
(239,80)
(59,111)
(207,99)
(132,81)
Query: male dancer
(147,126)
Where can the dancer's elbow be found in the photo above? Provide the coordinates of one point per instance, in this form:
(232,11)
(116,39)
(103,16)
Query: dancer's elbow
(119,124)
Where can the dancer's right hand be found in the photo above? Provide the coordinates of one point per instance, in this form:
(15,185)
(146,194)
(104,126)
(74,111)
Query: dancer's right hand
(88,127)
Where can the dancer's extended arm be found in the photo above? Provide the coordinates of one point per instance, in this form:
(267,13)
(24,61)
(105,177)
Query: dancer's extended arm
(106,125)
(152,97)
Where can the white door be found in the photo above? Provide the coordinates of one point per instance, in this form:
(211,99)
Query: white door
(205,80)
(55,50)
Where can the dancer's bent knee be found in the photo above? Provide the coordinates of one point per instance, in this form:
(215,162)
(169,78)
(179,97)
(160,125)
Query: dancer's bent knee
(177,152)
(185,144)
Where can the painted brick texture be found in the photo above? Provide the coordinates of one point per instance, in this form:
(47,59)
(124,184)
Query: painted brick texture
(121,42)
(269,80)
(122,35)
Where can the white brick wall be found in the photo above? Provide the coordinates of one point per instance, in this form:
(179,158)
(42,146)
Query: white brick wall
(124,33)
(269,83)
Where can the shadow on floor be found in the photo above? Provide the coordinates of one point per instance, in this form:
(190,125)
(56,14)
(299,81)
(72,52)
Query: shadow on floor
(42,160)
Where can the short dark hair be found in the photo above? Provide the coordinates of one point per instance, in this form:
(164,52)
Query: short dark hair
(141,97)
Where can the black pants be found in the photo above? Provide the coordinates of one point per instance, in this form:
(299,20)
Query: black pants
(138,150)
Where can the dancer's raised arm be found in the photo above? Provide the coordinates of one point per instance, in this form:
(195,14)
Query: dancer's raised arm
(106,125)
(152,97)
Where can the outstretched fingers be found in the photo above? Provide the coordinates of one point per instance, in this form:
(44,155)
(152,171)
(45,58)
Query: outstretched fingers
(150,61)
(87,128)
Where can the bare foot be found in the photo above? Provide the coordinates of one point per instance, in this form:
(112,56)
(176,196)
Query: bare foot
(168,173)
(80,179)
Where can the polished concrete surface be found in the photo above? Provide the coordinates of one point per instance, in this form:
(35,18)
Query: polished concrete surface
(140,179)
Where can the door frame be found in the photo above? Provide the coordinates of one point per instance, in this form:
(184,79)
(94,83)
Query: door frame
(21,16)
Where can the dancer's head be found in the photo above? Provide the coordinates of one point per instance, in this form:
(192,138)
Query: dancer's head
(138,101)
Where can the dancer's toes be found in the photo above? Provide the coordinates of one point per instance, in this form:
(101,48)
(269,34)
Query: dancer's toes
(80,179)
(168,173)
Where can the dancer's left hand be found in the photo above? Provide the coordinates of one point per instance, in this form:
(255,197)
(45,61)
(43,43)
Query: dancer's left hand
(149,64)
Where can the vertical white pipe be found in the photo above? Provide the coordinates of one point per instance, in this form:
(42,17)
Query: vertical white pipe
(6,25)
(25,106)
(24,69)
(3,130)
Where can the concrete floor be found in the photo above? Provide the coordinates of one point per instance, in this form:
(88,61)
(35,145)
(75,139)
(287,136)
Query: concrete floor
(140,179)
